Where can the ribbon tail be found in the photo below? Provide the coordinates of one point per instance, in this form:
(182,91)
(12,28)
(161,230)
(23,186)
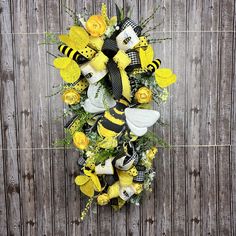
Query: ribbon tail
(116,80)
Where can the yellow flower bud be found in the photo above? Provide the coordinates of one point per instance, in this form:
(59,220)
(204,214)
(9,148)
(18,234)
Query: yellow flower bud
(71,96)
(133,171)
(143,95)
(151,153)
(103,199)
(96,25)
(138,188)
(80,140)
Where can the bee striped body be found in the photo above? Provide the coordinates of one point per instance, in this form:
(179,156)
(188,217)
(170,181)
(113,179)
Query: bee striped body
(152,67)
(113,120)
(71,53)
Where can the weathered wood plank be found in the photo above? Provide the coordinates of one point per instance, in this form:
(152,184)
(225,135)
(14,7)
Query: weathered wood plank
(23,93)
(9,126)
(224,113)
(3,214)
(178,118)
(193,76)
(52,11)
(210,21)
(164,178)
(40,119)
(71,156)
(3,206)
(233,138)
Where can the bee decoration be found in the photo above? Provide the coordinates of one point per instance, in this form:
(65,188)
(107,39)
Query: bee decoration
(127,40)
(119,117)
(153,66)
(72,54)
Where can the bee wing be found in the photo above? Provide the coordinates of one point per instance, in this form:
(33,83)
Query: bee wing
(97,98)
(139,120)
(61,62)
(137,131)
(71,73)
(77,39)
(79,36)
(91,108)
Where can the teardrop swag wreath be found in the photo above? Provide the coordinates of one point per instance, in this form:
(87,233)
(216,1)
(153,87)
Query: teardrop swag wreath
(111,79)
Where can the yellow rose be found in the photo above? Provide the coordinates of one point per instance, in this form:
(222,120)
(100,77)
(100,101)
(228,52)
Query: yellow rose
(80,140)
(151,153)
(103,199)
(143,95)
(96,25)
(71,96)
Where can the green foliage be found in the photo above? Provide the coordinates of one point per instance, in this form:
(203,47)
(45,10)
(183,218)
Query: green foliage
(149,140)
(50,39)
(73,15)
(103,154)
(66,141)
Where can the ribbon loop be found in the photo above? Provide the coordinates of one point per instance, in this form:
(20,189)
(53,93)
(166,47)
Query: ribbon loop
(128,22)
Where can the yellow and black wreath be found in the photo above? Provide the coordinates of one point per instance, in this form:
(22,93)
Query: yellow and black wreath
(111,79)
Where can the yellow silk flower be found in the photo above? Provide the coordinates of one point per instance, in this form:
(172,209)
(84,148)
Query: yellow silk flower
(96,25)
(80,140)
(143,95)
(89,183)
(71,96)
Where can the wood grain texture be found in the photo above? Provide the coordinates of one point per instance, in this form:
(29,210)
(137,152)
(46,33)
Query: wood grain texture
(24,114)
(9,126)
(194,192)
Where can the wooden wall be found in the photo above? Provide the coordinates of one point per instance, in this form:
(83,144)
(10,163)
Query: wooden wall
(195,187)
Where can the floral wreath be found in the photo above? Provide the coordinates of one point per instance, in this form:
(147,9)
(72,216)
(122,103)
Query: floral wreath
(111,80)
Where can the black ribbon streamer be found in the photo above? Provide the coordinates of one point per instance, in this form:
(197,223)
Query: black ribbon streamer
(110,49)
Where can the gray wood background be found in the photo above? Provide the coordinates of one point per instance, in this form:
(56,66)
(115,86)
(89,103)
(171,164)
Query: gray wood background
(195,187)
